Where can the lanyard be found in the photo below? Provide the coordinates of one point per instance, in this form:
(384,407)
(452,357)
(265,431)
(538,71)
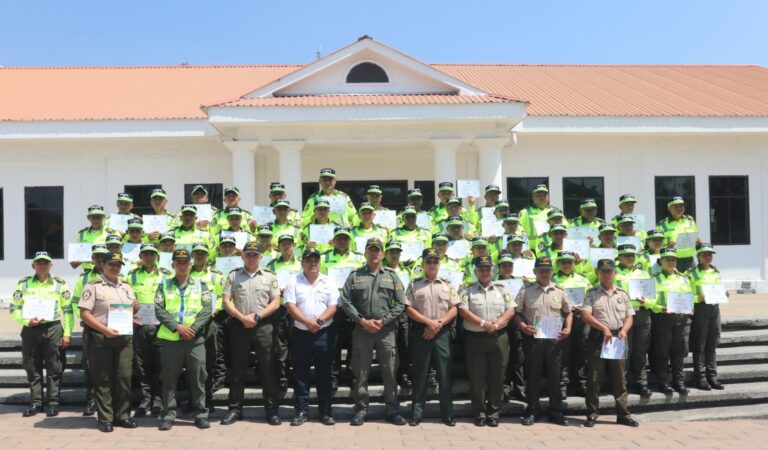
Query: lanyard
(181,309)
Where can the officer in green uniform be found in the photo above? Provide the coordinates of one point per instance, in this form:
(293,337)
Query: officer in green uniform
(43,337)
(492,199)
(392,260)
(537,300)
(144,281)
(96,233)
(445,191)
(410,231)
(374,195)
(321,215)
(453,208)
(555,216)
(431,307)
(374,298)
(124,208)
(534,216)
(627,204)
(110,354)
(158,201)
(705,327)
(277,194)
(626,226)
(415,200)
(166,243)
(135,232)
(183,308)
(514,381)
(231,200)
(677,222)
(649,258)
(588,215)
(342,211)
(608,311)
(670,331)
(199,196)
(187,232)
(486,308)
(283,223)
(366,228)
(251,295)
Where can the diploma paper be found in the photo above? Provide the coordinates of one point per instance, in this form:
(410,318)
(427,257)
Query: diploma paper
(265,260)
(165,261)
(512,285)
(714,293)
(405,278)
(360,242)
(411,250)
(455,277)
(686,240)
(541,226)
(386,219)
(241,238)
(547,327)
(39,308)
(153,223)
(576,296)
(457,249)
(146,314)
(204,212)
(131,252)
(634,240)
(596,254)
(487,212)
(642,288)
(680,303)
(614,349)
(583,233)
(227,264)
(523,267)
(263,214)
(119,221)
(639,221)
(120,318)
(492,227)
(321,234)
(79,252)
(578,246)
(339,275)
(468,188)
(423,220)
(338,204)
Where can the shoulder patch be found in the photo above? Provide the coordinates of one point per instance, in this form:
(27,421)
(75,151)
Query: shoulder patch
(95,281)
(268,271)
(23,279)
(60,280)
(165,271)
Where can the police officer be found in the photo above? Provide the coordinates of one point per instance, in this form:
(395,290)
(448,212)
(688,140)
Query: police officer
(431,305)
(514,381)
(283,223)
(539,299)
(231,200)
(392,260)
(627,204)
(486,309)
(43,337)
(158,200)
(251,295)
(110,354)
(183,308)
(343,211)
(410,231)
(608,311)
(676,222)
(366,228)
(374,298)
(277,193)
(536,213)
(96,233)
(588,217)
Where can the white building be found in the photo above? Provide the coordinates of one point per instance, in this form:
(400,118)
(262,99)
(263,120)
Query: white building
(376,114)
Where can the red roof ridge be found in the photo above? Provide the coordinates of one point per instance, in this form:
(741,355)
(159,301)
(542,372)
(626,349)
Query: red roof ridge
(590,65)
(178,66)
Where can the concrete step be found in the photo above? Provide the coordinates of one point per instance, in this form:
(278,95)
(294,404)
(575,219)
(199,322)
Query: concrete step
(757,336)
(756,411)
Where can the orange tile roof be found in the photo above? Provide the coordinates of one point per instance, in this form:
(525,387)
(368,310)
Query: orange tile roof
(364,100)
(177,92)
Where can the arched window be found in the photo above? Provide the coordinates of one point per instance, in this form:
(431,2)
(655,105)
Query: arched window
(367,73)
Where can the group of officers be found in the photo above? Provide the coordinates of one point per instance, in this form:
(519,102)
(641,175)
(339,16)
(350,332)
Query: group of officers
(193,319)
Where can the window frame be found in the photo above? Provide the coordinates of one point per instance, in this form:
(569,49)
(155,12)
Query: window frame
(215,193)
(362,63)
(308,189)
(660,201)
(532,181)
(51,193)
(141,203)
(600,198)
(729,197)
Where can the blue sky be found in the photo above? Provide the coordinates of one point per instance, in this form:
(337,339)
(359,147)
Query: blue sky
(160,32)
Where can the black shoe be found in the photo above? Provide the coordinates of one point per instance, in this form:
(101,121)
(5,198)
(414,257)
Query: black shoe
(125,423)
(397,419)
(492,422)
(358,419)
(645,392)
(404,381)
(165,425)
(328,420)
(202,423)
(666,389)
(140,412)
(106,427)
(231,417)
(155,411)
(274,419)
(590,422)
(51,411)
(299,419)
(29,412)
(449,421)
(702,385)
(480,422)
(528,420)
(628,421)
(716,384)
(559,419)
(415,422)
(90,408)
(680,389)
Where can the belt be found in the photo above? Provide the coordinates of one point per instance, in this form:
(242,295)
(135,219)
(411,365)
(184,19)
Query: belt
(596,334)
(485,334)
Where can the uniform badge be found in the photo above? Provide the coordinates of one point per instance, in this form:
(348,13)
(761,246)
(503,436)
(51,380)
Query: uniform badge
(66,295)
(87,294)
(17,295)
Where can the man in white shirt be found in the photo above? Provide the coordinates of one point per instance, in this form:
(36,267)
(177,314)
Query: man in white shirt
(311,299)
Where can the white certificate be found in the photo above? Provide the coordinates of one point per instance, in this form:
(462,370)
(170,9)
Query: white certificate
(165,261)
(339,275)
(576,296)
(512,285)
(596,254)
(338,204)
(119,221)
(652,260)
(468,188)
(645,288)
(360,242)
(578,246)
(155,223)
(386,218)
(120,318)
(146,314)
(454,276)
(686,240)
(523,267)
(284,276)
(457,249)
(204,212)
(423,220)
(131,252)
(583,233)
(321,234)
(79,252)
(614,349)
(634,240)
(263,214)
(411,250)
(266,258)
(639,221)
(487,212)
(227,264)
(492,227)
(547,327)
(241,238)
(541,226)
(405,278)
(39,308)
(714,293)
(680,302)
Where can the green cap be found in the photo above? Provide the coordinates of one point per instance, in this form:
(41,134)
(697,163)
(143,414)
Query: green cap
(365,206)
(453,201)
(588,203)
(454,220)
(167,237)
(557,227)
(158,193)
(654,234)
(394,245)
(125,197)
(148,247)
(234,211)
(276,187)
(566,255)
(512,217)
(554,213)
(199,247)
(445,186)
(42,256)
(627,198)
(113,239)
(227,240)
(286,236)
(135,224)
(189,209)
(342,231)
(705,247)
(627,249)
(479,242)
(505,258)
(440,237)
(232,189)
(264,230)
(501,204)
(675,201)
(199,188)
(96,210)
(328,172)
(607,227)
(282,203)
(668,252)
(625,218)
(492,188)
(540,188)
(374,189)
(409,210)
(515,238)
(415,192)
(99,249)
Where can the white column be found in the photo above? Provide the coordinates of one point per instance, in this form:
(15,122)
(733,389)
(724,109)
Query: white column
(489,160)
(244,169)
(289,163)
(444,159)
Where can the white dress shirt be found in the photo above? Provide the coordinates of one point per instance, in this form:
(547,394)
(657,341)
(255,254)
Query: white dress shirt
(312,299)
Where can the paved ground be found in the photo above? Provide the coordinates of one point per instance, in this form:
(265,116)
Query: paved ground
(70,430)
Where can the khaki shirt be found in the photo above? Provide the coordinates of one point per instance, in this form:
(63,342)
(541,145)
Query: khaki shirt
(100,293)
(430,298)
(548,300)
(486,303)
(251,294)
(609,308)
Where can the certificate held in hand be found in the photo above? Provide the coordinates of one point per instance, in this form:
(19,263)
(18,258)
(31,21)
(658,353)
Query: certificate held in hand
(339,275)
(547,327)
(614,349)
(154,223)
(120,318)
(77,252)
(38,308)
(468,188)
(644,288)
(321,234)
(680,302)
(714,294)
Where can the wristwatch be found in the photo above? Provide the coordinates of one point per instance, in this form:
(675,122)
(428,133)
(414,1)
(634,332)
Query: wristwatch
(482,323)
(320,322)
(257,317)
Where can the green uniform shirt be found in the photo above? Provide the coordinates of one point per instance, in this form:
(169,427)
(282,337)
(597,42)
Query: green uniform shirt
(219,221)
(347,218)
(214,279)
(699,276)
(188,305)
(671,228)
(145,284)
(82,280)
(54,289)
(185,237)
(378,295)
(375,231)
(624,274)
(90,236)
(665,284)
(287,228)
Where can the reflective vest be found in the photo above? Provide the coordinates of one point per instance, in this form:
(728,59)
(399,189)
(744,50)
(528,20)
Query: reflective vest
(54,289)
(214,279)
(671,228)
(699,276)
(145,284)
(623,275)
(183,304)
(665,284)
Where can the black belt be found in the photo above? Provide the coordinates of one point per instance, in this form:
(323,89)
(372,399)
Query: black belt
(485,334)
(596,334)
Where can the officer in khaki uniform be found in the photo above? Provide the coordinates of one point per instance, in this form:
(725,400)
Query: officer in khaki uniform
(251,295)
(431,305)
(110,354)
(183,308)
(608,311)
(543,298)
(42,340)
(486,308)
(374,298)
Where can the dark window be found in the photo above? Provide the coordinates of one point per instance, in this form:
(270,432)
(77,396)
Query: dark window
(576,189)
(367,73)
(519,190)
(668,187)
(44,220)
(395,192)
(729,210)
(2,229)
(427,192)
(215,193)
(141,193)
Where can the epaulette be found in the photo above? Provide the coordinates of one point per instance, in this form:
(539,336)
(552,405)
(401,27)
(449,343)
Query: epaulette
(23,279)
(95,281)
(60,280)
(267,270)
(620,289)
(557,286)
(165,271)
(214,270)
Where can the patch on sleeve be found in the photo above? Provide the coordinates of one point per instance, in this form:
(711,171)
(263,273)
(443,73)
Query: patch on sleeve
(17,295)
(67,295)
